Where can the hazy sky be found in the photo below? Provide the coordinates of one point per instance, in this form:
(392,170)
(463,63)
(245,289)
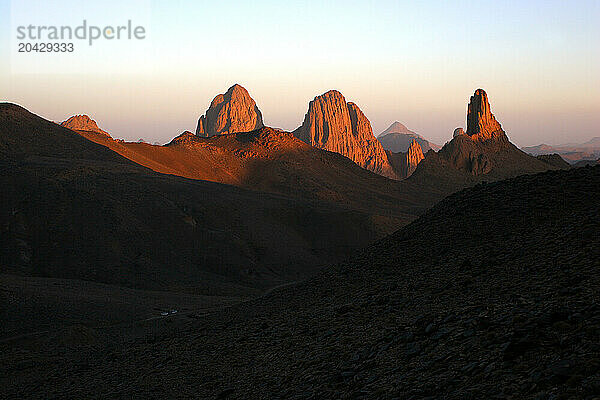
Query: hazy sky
(415,62)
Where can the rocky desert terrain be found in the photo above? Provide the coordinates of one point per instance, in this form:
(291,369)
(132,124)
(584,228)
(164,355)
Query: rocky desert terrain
(243,261)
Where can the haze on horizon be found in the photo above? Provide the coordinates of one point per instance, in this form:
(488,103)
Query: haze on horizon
(415,63)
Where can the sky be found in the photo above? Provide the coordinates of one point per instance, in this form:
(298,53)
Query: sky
(414,62)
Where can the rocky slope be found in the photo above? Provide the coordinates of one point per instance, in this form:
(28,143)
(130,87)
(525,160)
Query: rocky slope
(397,138)
(83,123)
(230,112)
(335,125)
(271,160)
(503,304)
(554,159)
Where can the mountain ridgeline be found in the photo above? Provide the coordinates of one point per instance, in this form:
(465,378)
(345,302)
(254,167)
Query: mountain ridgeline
(335,125)
(331,165)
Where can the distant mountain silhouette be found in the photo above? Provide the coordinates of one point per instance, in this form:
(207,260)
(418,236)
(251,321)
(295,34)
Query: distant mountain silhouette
(555,160)
(397,138)
(571,152)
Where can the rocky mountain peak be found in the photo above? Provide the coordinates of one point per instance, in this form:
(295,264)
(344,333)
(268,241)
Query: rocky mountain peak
(230,112)
(82,123)
(481,123)
(396,127)
(185,137)
(333,124)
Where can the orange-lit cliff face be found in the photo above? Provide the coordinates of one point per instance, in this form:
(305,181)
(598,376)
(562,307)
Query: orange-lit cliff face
(333,124)
(481,123)
(231,112)
(414,155)
(405,163)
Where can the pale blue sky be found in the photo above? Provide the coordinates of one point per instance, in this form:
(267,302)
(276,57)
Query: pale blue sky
(416,62)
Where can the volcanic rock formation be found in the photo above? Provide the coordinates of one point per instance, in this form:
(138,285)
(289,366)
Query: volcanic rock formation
(233,111)
(484,149)
(83,123)
(481,124)
(335,125)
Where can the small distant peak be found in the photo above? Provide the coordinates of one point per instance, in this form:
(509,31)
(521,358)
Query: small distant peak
(414,156)
(184,137)
(397,127)
(82,122)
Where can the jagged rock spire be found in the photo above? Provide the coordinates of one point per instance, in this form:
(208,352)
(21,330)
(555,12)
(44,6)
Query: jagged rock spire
(481,124)
(414,155)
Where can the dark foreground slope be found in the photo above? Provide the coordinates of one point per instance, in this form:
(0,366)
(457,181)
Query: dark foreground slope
(491,294)
(74,211)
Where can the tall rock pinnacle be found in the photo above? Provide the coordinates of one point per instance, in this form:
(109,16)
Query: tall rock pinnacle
(481,124)
(233,111)
(414,155)
(335,125)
